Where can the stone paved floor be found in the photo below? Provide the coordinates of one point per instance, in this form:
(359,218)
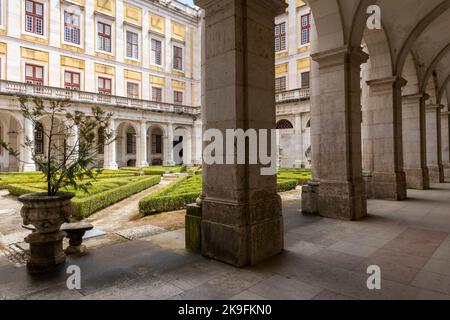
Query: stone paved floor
(323,259)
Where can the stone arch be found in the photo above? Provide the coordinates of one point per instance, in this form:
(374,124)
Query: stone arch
(183,136)
(416,32)
(156,135)
(126,130)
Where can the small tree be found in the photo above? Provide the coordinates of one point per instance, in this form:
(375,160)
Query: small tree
(71,141)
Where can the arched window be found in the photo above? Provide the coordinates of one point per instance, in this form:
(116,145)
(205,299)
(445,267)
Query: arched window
(284,124)
(131,141)
(39,139)
(101,140)
(308,123)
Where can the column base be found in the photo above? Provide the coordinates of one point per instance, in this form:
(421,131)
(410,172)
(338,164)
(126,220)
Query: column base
(310,197)
(111,166)
(447,170)
(436,173)
(242,234)
(417,178)
(144,164)
(342,200)
(46,251)
(29,167)
(388,186)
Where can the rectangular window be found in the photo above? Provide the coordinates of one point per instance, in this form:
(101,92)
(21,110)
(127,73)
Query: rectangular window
(34,74)
(305,23)
(280,84)
(71,28)
(39,139)
(305,80)
(156,94)
(104,37)
(280,37)
(132,90)
(72,80)
(156,52)
(104,86)
(178,97)
(34,17)
(156,144)
(177,58)
(132,45)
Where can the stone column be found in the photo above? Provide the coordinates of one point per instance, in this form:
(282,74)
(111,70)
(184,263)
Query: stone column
(299,161)
(415,141)
(110,150)
(168,150)
(28,162)
(445,128)
(434,154)
(142,145)
(337,185)
(242,222)
(383,154)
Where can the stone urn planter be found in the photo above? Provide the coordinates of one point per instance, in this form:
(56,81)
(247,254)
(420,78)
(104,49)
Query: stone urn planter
(46,214)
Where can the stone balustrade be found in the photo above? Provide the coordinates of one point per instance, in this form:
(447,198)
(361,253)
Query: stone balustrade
(292,95)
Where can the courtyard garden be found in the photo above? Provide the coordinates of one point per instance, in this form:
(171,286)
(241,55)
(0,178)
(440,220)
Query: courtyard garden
(112,186)
(187,189)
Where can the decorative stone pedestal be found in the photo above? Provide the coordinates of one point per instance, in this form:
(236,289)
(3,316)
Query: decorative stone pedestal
(46,251)
(75,233)
(46,214)
(310,197)
(193,227)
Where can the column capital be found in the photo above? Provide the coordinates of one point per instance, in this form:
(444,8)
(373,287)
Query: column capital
(416,96)
(338,56)
(434,107)
(387,82)
(275,6)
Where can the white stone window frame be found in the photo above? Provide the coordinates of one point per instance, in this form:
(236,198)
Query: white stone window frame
(162,39)
(130,28)
(110,21)
(106,76)
(127,81)
(45,22)
(3,7)
(80,71)
(299,78)
(162,92)
(183,96)
(302,11)
(182,45)
(45,4)
(36,63)
(74,9)
(2,67)
(286,24)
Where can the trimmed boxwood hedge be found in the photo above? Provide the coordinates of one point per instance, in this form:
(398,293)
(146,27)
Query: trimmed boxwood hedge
(169,199)
(82,208)
(87,205)
(286,185)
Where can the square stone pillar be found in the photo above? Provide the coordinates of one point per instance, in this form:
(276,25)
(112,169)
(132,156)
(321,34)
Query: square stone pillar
(28,162)
(415,141)
(142,145)
(168,146)
(383,154)
(336,134)
(445,129)
(434,154)
(110,150)
(242,221)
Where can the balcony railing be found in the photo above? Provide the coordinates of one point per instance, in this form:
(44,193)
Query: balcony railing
(292,95)
(20,88)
